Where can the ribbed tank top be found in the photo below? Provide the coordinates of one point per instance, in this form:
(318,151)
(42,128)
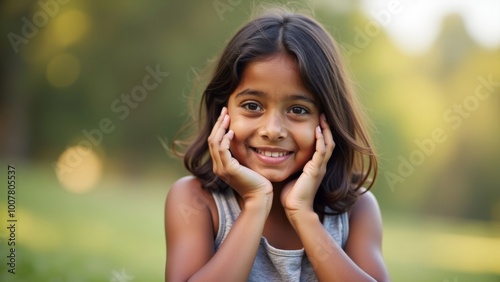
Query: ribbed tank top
(272,264)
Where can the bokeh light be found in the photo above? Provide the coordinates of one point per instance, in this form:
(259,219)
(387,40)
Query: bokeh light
(79,169)
(70,27)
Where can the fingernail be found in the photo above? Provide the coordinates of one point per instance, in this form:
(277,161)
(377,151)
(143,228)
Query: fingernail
(323,117)
(226,117)
(319,129)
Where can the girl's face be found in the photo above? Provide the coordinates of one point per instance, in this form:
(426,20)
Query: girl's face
(274,118)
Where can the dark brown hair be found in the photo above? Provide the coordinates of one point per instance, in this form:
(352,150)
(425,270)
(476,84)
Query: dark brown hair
(353,160)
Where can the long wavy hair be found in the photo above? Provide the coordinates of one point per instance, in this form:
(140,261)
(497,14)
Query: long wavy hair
(353,163)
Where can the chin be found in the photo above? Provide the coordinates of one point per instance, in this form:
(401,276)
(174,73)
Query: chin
(273,176)
(280,177)
(277,179)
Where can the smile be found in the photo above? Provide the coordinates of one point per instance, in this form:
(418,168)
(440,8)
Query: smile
(272,154)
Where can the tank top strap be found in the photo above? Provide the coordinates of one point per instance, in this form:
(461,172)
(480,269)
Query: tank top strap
(337,226)
(228,210)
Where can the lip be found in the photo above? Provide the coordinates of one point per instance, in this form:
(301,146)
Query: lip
(283,155)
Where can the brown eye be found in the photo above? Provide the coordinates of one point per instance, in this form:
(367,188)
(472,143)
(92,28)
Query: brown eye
(298,110)
(252,107)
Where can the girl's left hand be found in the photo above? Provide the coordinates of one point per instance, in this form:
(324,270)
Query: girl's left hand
(298,195)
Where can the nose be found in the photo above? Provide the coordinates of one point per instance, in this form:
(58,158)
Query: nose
(273,127)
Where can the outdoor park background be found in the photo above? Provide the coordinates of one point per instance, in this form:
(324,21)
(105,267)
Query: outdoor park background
(428,73)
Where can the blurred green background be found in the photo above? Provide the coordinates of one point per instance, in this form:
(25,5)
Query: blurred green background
(84,120)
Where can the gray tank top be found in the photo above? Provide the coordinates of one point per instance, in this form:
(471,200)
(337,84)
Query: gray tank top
(272,264)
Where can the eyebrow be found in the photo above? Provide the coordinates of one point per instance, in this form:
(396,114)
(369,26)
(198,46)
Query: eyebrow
(261,94)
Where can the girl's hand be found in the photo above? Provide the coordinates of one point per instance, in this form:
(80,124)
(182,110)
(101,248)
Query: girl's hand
(248,183)
(298,195)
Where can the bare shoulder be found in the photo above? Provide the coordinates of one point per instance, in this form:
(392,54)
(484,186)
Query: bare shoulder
(185,185)
(365,217)
(189,198)
(189,228)
(364,244)
(188,187)
(366,205)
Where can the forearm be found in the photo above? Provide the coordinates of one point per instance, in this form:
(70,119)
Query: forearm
(328,259)
(234,259)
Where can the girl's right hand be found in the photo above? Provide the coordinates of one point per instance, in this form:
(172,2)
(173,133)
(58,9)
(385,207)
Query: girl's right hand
(248,183)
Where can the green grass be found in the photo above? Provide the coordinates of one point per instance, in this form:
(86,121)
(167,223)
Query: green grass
(441,249)
(62,236)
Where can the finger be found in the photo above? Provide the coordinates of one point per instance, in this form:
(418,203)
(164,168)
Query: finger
(225,154)
(215,138)
(327,137)
(217,151)
(319,154)
(324,144)
(218,132)
(215,148)
(217,124)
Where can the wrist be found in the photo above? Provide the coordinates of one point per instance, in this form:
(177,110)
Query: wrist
(258,201)
(305,216)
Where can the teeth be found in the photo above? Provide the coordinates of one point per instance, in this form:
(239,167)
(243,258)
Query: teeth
(271,154)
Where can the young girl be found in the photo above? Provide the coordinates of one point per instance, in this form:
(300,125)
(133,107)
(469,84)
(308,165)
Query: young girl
(278,167)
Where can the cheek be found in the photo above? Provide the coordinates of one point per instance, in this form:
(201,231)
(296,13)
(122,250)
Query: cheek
(308,141)
(234,122)
(241,129)
(237,125)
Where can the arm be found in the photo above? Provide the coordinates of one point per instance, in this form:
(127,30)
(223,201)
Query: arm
(190,237)
(188,230)
(362,260)
(364,245)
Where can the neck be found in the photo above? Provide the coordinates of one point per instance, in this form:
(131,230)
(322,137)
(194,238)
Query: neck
(277,208)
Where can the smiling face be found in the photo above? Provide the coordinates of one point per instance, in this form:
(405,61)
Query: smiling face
(274,118)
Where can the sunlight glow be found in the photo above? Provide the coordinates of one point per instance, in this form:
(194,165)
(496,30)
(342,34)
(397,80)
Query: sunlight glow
(79,169)
(416,24)
(70,27)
